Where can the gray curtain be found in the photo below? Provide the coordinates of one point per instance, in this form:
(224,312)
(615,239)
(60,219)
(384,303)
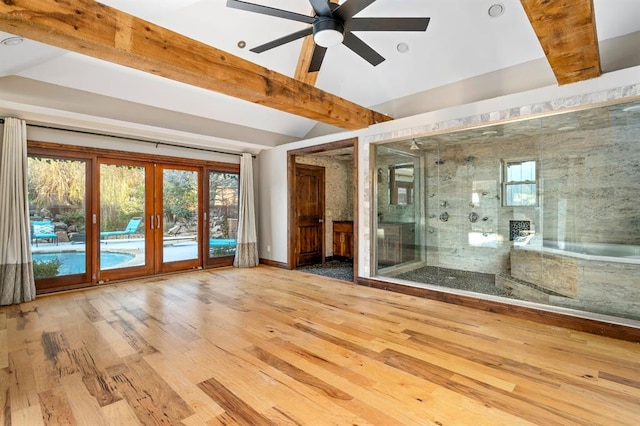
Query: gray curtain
(16,271)
(247,244)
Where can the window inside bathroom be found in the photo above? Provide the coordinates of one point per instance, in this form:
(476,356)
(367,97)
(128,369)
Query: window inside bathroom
(519,183)
(531,211)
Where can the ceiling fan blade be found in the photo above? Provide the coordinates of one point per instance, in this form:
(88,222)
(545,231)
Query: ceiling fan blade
(283,40)
(266,10)
(362,49)
(317,58)
(350,8)
(321,7)
(388,24)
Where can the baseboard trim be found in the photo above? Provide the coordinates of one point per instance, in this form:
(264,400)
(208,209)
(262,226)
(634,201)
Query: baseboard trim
(602,328)
(276,264)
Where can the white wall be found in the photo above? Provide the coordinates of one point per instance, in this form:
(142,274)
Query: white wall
(272,190)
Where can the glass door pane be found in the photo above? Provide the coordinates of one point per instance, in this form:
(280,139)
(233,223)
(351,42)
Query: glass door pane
(179,211)
(57,210)
(223,214)
(123,209)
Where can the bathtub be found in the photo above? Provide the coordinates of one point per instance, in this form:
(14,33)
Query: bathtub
(595,251)
(602,278)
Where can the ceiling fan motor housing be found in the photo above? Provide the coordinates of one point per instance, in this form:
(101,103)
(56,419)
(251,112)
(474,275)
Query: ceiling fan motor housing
(327,31)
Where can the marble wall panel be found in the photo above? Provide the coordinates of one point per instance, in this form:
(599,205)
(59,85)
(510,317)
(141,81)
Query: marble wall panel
(555,273)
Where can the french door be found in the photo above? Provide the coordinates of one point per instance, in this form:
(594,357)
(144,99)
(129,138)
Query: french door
(148,218)
(98,216)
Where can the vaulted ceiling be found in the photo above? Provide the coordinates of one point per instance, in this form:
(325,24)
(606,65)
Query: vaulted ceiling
(216,93)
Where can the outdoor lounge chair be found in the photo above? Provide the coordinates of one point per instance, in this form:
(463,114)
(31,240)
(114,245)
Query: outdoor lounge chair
(228,243)
(43,230)
(131,228)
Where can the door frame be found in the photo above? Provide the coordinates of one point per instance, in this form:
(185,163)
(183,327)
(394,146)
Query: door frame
(291,185)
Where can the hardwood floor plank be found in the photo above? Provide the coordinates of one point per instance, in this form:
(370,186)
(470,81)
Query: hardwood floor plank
(119,414)
(55,408)
(84,406)
(90,311)
(235,408)
(145,391)
(22,387)
(31,416)
(269,346)
(4,352)
(169,370)
(127,331)
(5,397)
(116,342)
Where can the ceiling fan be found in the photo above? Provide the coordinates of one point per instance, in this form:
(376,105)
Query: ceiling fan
(333,24)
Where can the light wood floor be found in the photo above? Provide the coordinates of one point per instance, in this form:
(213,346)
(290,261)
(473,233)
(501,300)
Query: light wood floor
(269,346)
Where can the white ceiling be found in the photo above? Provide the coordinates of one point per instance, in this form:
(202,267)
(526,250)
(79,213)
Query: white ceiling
(464,55)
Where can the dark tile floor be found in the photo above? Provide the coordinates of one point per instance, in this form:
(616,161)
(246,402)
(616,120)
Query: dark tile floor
(452,278)
(339,269)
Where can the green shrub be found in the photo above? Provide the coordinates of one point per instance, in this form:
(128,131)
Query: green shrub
(75,218)
(46,268)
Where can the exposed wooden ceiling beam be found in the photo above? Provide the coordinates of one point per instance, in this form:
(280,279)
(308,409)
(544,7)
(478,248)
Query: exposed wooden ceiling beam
(302,69)
(93,29)
(567,32)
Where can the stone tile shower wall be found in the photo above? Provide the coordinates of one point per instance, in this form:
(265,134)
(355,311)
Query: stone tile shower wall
(338,192)
(591,186)
(462,179)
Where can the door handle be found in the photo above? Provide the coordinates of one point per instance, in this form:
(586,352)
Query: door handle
(158,221)
(151,222)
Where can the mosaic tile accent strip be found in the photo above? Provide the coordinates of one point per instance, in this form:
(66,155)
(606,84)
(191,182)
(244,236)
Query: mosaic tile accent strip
(515,226)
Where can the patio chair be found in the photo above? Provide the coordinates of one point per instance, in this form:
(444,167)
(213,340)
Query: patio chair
(43,230)
(131,228)
(222,242)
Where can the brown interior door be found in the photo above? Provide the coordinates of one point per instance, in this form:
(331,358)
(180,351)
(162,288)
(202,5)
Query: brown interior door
(309,193)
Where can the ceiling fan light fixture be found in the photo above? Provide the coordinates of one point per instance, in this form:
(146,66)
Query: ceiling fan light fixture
(328,32)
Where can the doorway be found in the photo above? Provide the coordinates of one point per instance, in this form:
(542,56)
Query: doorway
(97,216)
(329,231)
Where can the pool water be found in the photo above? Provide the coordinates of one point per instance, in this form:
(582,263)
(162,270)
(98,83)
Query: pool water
(75,263)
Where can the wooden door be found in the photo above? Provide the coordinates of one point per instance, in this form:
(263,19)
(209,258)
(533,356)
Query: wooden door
(177,207)
(124,220)
(309,228)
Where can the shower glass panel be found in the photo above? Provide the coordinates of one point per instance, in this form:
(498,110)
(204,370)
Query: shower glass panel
(542,210)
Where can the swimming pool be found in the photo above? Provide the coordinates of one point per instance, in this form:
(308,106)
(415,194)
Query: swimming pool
(75,263)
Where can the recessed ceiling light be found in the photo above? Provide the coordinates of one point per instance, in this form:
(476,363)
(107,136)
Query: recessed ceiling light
(12,41)
(489,132)
(242,44)
(496,10)
(566,128)
(402,47)
(631,108)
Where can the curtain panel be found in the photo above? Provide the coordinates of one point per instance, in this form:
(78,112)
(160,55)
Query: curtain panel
(247,243)
(16,270)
